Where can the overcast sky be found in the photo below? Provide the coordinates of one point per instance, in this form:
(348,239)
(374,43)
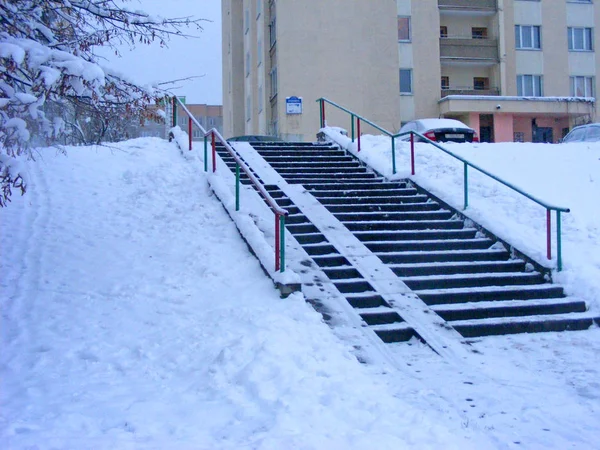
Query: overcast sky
(183,57)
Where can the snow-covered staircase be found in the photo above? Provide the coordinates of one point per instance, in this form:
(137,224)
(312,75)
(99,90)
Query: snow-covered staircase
(460,271)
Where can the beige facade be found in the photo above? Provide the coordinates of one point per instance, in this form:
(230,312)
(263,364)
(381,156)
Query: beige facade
(511,69)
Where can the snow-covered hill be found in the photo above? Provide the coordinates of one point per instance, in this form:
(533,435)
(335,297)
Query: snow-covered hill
(134,316)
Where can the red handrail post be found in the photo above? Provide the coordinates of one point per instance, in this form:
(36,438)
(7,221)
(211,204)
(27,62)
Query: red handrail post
(214,151)
(277,243)
(548,237)
(190,132)
(412,153)
(358,131)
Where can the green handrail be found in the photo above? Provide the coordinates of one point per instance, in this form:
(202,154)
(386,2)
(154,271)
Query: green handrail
(466,163)
(279,212)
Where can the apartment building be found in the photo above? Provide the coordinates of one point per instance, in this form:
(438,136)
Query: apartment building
(514,70)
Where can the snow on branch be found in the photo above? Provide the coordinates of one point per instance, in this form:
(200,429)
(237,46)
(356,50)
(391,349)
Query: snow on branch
(51,81)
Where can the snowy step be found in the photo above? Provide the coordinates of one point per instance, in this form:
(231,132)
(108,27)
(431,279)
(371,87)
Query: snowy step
(321,170)
(448,268)
(355,285)
(388,316)
(310,238)
(338,273)
(477,294)
(526,324)
(394,216)
(377,183)
(389,225)
(395,332)
(444,256)
(427,245)
(351,193)
(438,282)
(365,300)
(368,236)
(509,308)
(392,199)
(303,228)
(334,260)
(383,207)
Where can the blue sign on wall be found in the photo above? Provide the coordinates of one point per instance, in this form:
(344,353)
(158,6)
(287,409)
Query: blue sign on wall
(293,105)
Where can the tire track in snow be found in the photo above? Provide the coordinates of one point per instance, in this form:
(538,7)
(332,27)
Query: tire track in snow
(27,247)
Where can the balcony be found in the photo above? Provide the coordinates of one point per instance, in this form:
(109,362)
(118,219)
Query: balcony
(479,7)
(466,51)
(456,90)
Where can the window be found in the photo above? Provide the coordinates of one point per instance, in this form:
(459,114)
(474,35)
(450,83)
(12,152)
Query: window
(479,33)
(445,82)
(443,31)
(527,37)
(481,83)
(529,85)
(273,76)
(406,81)
(272,31)
(582,86)
(259,53)
(403,29)
(580,39)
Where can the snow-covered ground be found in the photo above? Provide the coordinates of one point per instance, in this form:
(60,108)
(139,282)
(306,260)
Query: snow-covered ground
(134,316)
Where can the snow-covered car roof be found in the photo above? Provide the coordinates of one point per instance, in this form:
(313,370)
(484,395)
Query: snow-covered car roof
(440,123)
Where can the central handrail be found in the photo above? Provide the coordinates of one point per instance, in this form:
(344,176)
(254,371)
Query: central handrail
(466,163)
(279,212)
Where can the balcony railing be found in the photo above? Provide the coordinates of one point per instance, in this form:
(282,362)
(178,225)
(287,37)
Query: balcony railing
(468,91)
(466,5)
(468,48)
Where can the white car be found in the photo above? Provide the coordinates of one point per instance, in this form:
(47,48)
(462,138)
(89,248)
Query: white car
(440,130)
(584,133)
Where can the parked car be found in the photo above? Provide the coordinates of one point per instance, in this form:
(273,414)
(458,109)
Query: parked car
(255,138)
(584,133)
(440,130)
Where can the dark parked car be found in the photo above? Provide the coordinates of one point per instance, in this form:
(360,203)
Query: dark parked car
(255,138)
(441,130)
(584,133)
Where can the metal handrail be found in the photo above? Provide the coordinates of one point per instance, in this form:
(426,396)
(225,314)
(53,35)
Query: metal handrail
(466,163)
(279,212)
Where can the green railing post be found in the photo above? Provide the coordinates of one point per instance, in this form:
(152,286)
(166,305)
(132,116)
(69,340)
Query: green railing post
(393,155)
(237,187)
(352,125)
(321,108)
(466,184)
(282,240)
(558,242)
(174,111)
(205,154)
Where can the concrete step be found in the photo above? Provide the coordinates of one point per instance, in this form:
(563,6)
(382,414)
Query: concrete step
(341,200)
(303,165)
(490,293)
(526,324)
(322,170)
(445,256)
(396,332)
(404,225)
(425,235)
(380,316)
(366,300)
(361,193)
(377,184)
(310,238)
(394,216)
(473,280)
(353,285)
(509,308)
(451,268)
(384,208)
(429,245)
